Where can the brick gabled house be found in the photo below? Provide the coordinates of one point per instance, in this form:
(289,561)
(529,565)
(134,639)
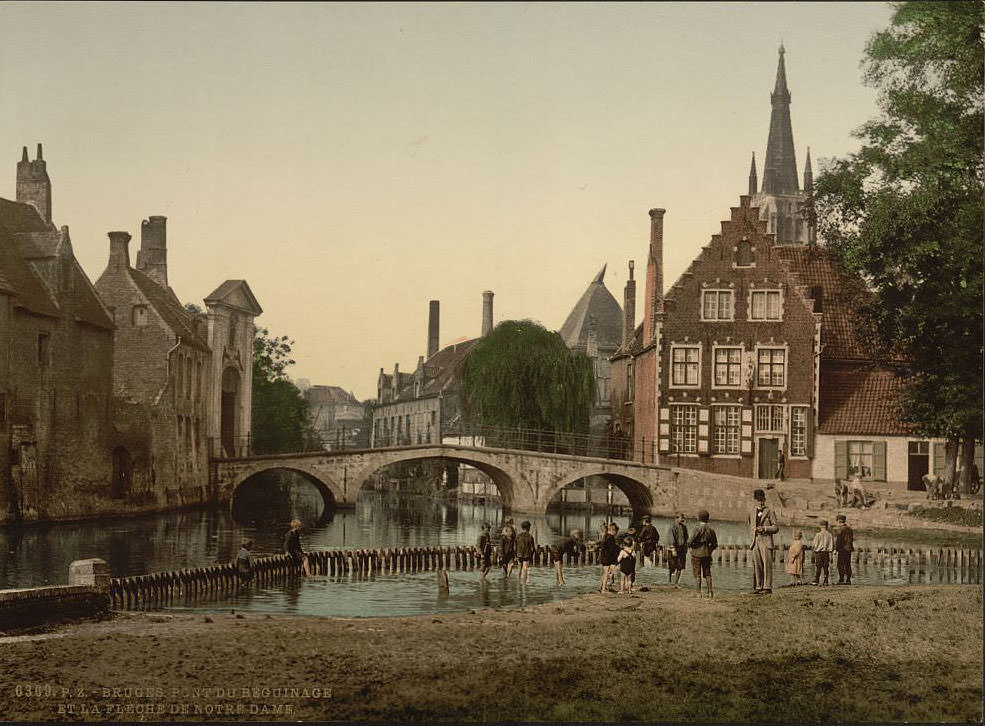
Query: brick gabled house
(755,349)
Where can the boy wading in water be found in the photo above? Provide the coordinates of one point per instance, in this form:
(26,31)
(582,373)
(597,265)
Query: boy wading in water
(703,542)
(678,550)
(569,547)
(627,566)
(484,545)
(608,554)
(525,547)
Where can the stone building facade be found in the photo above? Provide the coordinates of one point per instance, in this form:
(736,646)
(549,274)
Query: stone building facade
(337,416)
(182,381)
(56,350)
(594,327)
(755,349)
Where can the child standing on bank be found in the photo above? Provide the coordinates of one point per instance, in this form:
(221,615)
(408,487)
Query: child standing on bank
(795,559)
(703,542)
(627,566)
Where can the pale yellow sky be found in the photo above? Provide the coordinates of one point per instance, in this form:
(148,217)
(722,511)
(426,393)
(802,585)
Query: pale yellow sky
(354,161)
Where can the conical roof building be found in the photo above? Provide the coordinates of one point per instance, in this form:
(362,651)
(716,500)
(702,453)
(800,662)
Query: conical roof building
(595,318)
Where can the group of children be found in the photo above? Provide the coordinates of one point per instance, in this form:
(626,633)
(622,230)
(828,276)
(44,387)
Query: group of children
(618,553)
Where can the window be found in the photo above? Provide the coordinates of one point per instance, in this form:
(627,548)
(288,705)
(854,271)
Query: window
(772,367)
(684,367)
(860,459)
(139,316)
(716,305)
(728,366)
(43,339)
(684,429)
(765,305)
(769,417)
(798,430)
(743,254)
(727,426)
(630,383)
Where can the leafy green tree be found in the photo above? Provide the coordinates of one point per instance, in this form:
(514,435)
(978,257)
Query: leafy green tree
(280,413)
(905,211)
(522,376)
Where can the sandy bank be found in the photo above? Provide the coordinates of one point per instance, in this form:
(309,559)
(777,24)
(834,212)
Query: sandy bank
(806,654)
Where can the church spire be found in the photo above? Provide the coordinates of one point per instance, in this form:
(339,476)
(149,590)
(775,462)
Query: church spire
(753,181)
(780,167)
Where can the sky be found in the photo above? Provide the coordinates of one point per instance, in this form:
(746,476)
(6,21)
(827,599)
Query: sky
(352,162)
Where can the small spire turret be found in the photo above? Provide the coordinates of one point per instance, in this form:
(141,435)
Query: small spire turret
(753,180)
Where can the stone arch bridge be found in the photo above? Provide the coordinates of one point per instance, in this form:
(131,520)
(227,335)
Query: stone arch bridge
(527,480)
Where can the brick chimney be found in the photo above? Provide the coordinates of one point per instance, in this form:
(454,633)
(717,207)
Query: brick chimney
(119,251)
(33,184)
(152,257)
(487,312)
(654,274)
(432,328)
(629,309)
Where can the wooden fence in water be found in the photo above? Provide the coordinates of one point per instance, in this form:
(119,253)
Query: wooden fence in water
(164,588)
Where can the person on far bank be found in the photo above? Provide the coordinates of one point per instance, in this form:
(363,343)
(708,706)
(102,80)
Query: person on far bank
(484,545)
(525,547)
(292,546)
(781,464)
(677,555)
(702,544)
(570,547)
(795,559)
(822,545)
(762,527)
(844,545)
(648,539)
(244,562)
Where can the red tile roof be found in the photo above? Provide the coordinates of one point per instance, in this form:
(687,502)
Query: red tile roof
(842,293)
(859,399)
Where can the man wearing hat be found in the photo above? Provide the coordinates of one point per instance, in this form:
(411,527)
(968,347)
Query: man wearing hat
(762,527)
(648,538)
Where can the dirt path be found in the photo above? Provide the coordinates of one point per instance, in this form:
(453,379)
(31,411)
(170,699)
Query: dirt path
(804,654)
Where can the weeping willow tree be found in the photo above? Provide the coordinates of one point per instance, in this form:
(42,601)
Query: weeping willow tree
(521,375)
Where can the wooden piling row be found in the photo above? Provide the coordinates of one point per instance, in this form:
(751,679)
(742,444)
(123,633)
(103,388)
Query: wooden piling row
(163,588)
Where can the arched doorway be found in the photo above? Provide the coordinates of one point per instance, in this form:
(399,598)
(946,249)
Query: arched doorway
(229,411)
(122,472)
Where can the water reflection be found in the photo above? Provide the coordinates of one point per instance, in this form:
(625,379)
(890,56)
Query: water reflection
(41,555)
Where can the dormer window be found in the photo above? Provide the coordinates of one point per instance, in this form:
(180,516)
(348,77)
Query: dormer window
(743,254)
(139,316)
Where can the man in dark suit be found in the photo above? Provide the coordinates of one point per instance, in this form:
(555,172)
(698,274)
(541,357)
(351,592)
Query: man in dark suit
(762,527)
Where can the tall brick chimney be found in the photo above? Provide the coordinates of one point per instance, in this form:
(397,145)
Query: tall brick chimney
(33,184)
(629,309)
(119,251)
(487,312)
(432,328)
(654,274)
(152,257)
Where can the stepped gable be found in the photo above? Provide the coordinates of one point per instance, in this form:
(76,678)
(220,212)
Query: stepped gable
(816,269)
(596,304)
(860,400)
(170,309)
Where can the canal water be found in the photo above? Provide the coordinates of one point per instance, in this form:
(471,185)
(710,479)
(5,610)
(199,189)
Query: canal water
(33,556)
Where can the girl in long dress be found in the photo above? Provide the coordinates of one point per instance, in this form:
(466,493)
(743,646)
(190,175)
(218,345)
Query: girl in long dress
(795,559)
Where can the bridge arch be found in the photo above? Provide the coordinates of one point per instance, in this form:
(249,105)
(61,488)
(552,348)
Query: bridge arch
(512,486)
(332,494)
(640,495)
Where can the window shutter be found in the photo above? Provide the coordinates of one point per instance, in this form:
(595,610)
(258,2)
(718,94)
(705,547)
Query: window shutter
(841,459)
(939,450)
(810,432)
(879,461)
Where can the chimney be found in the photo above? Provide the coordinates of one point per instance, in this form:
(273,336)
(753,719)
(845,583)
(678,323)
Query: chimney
(432,328)
(33,184)
(629,309)
(119,251)
(152,258)
(654,274)
(487,312)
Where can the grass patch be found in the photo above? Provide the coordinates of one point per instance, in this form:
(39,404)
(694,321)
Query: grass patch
(935,537)
(950,515)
